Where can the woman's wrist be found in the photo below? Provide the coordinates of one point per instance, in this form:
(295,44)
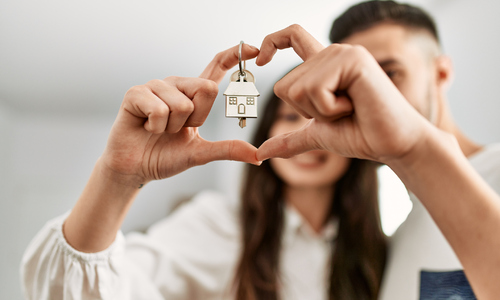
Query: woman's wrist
(113,177)
(99,212)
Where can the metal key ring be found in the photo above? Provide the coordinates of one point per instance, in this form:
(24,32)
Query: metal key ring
(242,73)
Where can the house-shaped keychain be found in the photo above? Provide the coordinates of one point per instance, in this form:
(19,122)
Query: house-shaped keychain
(241,99)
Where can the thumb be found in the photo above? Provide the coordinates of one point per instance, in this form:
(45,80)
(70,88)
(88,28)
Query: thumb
(228,150)
(286,145)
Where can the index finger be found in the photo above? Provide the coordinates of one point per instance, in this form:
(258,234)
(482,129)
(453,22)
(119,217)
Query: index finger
(294,36)
(202,93)
(286,145)
(226,60)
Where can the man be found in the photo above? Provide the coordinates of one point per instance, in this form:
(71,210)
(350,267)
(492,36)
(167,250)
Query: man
(404,41)
(356,111)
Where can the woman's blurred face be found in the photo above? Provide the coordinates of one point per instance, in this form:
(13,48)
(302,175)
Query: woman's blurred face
(316,168)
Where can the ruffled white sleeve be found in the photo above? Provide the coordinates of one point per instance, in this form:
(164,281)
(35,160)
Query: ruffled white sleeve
(52,269)
(189,255)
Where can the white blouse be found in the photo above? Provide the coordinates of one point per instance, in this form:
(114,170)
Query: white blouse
(192,254)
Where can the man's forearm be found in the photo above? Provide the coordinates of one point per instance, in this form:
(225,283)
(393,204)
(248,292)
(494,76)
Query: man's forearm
(464,207)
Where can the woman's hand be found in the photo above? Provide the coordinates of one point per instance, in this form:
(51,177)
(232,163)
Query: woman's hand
(155,134)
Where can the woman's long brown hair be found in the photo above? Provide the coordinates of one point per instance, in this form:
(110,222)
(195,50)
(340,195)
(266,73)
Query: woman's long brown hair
(358,253)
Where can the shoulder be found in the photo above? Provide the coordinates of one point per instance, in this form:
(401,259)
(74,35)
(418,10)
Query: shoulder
(488,155)
(487,164)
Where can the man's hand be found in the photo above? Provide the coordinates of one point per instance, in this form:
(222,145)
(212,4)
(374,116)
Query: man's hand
(155,135)
(356,109)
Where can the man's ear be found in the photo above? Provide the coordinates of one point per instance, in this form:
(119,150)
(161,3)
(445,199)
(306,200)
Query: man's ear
(444,72)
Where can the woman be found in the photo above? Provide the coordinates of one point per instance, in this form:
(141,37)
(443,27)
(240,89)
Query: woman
(284,243)
(323,188)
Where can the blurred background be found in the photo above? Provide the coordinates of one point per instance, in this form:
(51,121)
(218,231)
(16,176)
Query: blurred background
(65,66)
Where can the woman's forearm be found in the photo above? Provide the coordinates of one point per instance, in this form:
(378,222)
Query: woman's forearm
(99,212)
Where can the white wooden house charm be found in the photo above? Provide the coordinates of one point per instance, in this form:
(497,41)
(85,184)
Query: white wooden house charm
(241,100)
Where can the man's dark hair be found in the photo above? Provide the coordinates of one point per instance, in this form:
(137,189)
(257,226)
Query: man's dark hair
(367,14)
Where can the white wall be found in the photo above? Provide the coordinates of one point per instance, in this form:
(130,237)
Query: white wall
(469,31)
(9,209)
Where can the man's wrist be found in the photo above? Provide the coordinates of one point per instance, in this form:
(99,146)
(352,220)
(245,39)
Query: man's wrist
(436,149)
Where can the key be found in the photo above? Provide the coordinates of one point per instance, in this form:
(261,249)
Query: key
(241,95)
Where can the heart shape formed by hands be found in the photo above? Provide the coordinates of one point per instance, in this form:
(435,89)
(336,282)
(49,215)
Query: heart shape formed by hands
(155,135)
